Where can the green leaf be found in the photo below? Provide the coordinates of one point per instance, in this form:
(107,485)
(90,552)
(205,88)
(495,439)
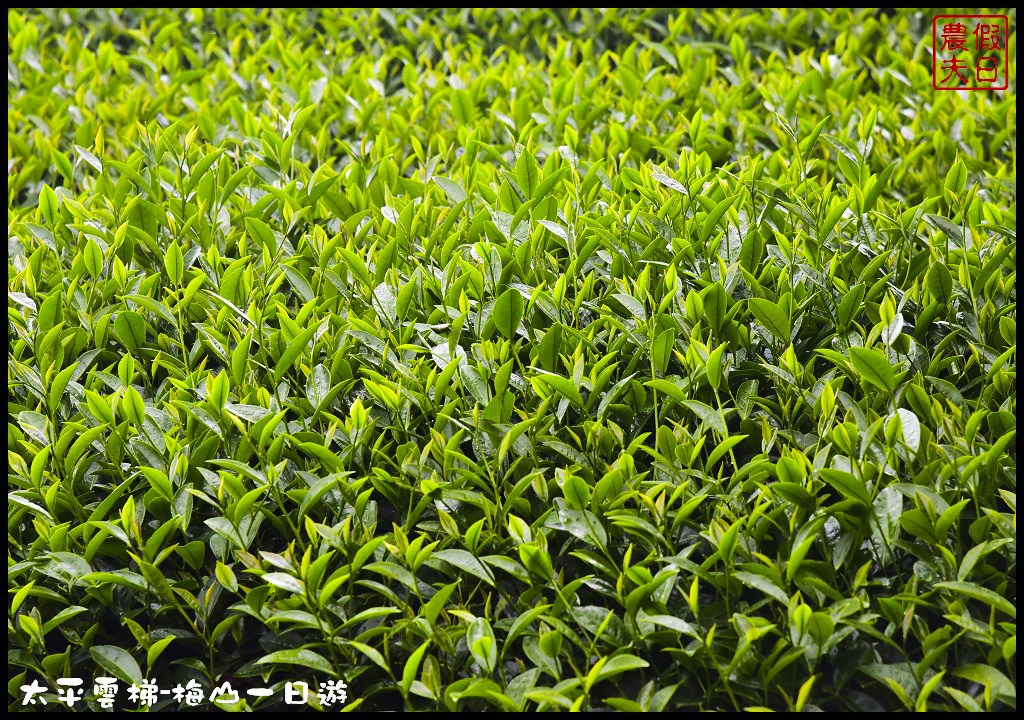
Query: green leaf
(760,582)
(158,309)
(173,264)
(292,352)
(772,317)
(561,385)
(48,205)
(610,667)
(911,427)
(118,662)
(672,389)
(130,329)
(373,654)
(262,234)
(412,665)
(848,485)
(60,384)
(715,367)
(661,350)
(550,346)
(357,266)
(940,283)
(994,681)
(466,562)
(93,258)
(226,577)
(956,178)
(851,304)
(385,304)
(527,173)
(508,312)
(301,657)
(451,188)
(319,489)
(89,158)
(285,582)
(978,592)
(51,312)
(134,407)
(536,560)
(873,367)
(709,415)
(715,216)
(879,184)
(63,164)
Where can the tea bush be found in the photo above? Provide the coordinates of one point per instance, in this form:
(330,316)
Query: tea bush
(510,359)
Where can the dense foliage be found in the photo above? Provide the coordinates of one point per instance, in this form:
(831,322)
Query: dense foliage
(511,359)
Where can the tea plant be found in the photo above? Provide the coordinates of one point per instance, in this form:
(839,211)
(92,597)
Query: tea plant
(510,359)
